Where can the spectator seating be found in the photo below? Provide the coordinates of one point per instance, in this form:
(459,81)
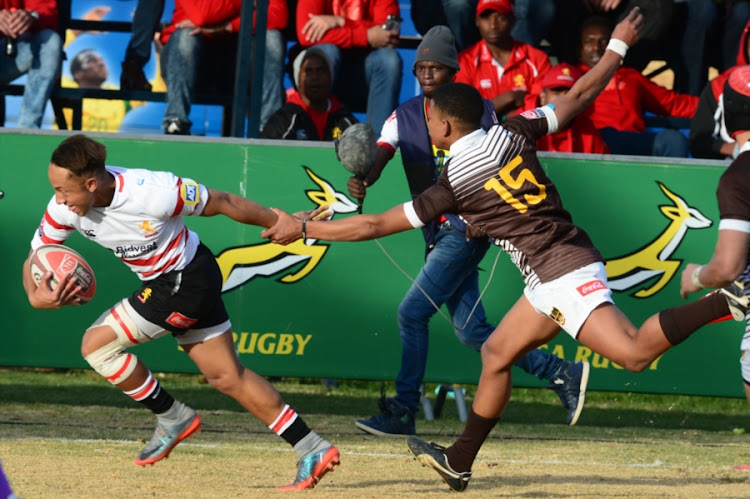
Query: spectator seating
(64,97)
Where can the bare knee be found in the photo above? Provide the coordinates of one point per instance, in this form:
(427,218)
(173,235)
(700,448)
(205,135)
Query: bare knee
(494,358)
(226,381)
(634,361)
(637,365)
(95,338)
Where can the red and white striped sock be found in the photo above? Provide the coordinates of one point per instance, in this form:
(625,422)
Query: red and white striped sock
(289,426)
(151,394)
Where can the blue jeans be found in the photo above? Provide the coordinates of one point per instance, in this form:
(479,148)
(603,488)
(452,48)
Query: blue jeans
(533,20)
(184,54)
(666,143)
(273,75)
(39,57)
(380,70)
(450,276)
(702,17)
(145,23)
(179,65)
(458,15)
(734,23)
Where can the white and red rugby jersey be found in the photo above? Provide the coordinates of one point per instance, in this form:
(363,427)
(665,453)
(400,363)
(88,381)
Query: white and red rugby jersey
(143,226)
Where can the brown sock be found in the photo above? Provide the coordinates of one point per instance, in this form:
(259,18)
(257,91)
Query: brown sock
(680,322)
(462,453)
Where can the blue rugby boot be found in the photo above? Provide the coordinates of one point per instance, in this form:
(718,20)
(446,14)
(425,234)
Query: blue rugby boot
(167,437)
(314,467)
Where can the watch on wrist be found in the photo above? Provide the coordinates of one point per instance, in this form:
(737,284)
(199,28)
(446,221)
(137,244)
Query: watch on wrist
(33,14)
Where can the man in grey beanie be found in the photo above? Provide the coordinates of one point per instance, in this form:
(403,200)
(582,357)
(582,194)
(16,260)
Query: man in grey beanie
(449,275)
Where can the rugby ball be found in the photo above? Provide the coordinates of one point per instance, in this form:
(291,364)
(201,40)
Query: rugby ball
(62,261)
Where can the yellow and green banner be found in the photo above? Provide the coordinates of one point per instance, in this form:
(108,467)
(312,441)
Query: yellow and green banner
(320,309)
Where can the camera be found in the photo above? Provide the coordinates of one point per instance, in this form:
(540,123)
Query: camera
(392,23)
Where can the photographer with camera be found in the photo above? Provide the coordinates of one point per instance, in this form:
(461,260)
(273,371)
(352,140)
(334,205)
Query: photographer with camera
(32,47)
(360,38)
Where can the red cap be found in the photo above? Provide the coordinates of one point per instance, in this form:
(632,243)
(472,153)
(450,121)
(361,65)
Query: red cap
(501,6)
(562,75)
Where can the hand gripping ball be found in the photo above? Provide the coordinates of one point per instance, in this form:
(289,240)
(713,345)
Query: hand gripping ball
(62,261)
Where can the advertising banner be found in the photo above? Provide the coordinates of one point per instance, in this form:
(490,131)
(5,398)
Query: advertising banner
(320,309)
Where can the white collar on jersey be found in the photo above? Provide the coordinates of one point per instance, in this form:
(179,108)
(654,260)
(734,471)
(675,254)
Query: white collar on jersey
(738,150)
(467,141)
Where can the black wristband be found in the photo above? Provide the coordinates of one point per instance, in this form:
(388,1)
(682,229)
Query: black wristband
(304,229)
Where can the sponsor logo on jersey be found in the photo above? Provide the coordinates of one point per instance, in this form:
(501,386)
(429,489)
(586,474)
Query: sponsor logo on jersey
(557,316)
(190,193)
(590,287)
(519,82)
(532,114)
(147,229)
(181,321)
(145,295)
(90,233)
(134,250)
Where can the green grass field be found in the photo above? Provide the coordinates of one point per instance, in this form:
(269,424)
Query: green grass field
(70,434)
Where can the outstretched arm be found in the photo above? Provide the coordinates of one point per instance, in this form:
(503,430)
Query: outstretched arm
(590,85)
(246,211)
(238,208)
(357,228)
(726,265)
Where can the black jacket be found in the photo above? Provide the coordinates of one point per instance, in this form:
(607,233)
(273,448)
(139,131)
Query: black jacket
(292,122)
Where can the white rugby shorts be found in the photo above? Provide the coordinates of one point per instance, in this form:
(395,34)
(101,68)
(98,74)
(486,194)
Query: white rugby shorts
(570,299)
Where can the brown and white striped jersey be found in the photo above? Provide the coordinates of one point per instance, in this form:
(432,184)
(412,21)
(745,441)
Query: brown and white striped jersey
(734,203)
(494,181)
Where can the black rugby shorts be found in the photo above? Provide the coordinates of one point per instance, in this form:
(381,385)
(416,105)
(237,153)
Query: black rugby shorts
(183,300)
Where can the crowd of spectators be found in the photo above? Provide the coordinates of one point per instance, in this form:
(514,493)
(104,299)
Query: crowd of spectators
(505,48)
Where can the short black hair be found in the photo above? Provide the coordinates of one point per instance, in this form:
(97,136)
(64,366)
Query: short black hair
(597,20)
(80,155)
(82,59)
(460,101)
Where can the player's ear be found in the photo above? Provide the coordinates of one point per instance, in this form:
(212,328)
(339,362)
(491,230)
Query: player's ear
(90,184)
(447,127)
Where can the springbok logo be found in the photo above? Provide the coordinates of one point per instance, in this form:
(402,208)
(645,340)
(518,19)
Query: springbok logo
(242,264)
(635,269)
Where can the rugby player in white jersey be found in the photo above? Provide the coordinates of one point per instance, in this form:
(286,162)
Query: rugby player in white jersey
(139,216)
(495,182)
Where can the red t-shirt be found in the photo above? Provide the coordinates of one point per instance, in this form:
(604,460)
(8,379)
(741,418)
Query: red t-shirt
(47,10)
(215,12)
(359,15)
(628,95)
(580,136)
(525,70)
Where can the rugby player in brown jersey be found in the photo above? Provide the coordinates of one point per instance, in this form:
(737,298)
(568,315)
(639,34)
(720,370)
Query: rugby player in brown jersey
(494,181)
(731,258)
